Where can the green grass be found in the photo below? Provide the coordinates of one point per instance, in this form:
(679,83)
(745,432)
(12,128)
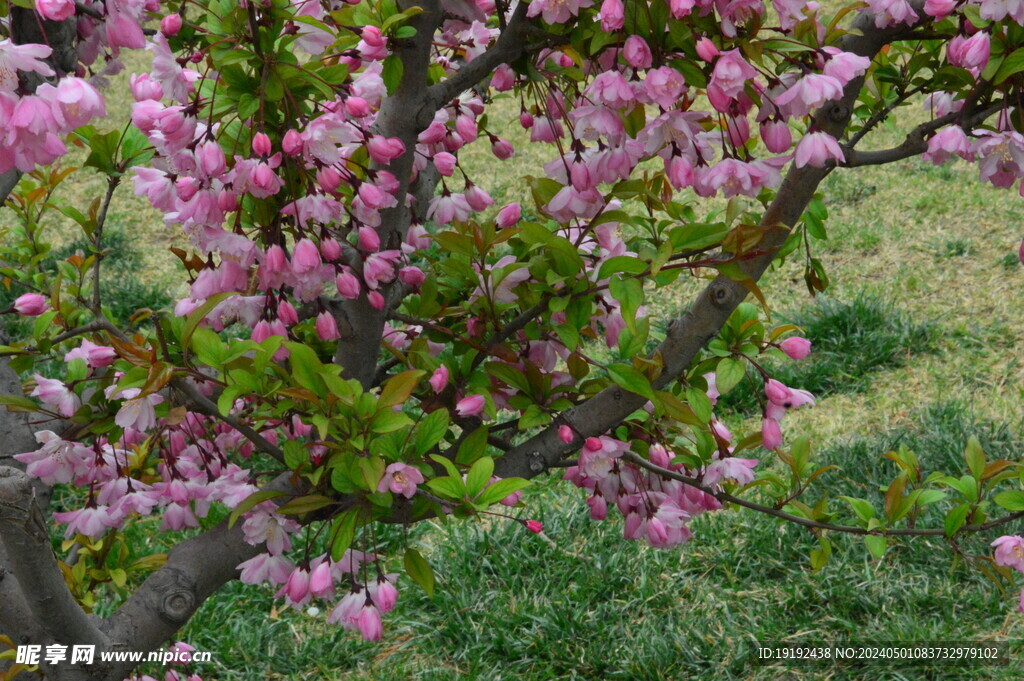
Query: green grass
(591,605)
(849,340)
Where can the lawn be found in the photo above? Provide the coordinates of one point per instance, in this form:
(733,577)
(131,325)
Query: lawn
(916,344)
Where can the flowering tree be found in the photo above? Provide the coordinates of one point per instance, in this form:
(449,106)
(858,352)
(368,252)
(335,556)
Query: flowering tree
(366,339)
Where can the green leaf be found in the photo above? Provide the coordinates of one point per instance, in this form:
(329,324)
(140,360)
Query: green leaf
(1011,501)
(252,500)
(306,367)
(632,380)
(728,374)
(305,504)
(479,475)
(391,73)
(196,316)
(343,531)
(418,568)
(501,489)
(876,545)
(473,446)
(399,387)
(955,519)
(864,510)
(452,488)
(1012,64)
(975,457)
(19,404)
(430,430)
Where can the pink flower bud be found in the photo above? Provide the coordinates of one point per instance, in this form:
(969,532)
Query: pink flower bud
(297,586)
(328,178)
(320,582)
(376,300)
(170,25)
(306,257)
(445,163)
(291,143)
(369,240)
(330,249)
(706,49)
(439,379)
(771,434)
(565,434)
(503,78)
(348,285)
(466,127)
(503,149)
(637,53)
(472,405)
(509,215)
(526,120)
(357,107)
(368,621)
(261,144)
(593,444)
(326,328)
(796,347)
(145,87)
(598,507)
(286,313)
(30,305)
(55,10)
(534,526)
(412,276)
(384,594)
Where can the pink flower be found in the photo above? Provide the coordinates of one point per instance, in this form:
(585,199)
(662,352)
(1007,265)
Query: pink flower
(771,434)
(809,93)
(1010,552)
(565,434)
(94,355)
(137,412)
(55,10)
(445,163)
(664,86)
(776,136)
(969,53)
(947,142)
(384,149)
(144,87)
(816,149)
(124,31)
(796,347)
(940,9)
(93,521)
(55,394)
(557,11)
(376,300)
(320,581)
(612,15)
(297,586)
(730,75)
(892,12)
(534,526)
(412,276)
(30,305)
(400,478)
(731,468)
(509,215)
(472,405)
(383,593)
(637,53)
(14,58)
(369,623)
(326,327)
(780,395)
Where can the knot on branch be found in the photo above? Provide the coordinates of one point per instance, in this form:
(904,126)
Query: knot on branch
(537,463)
(720,293)
(173,595)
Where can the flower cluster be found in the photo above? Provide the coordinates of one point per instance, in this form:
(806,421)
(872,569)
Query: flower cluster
(1009,552)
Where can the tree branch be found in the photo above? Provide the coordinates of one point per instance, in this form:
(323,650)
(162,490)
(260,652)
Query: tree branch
(916,142)
(195,569)
(25,537)
(688,334)
(508,47)
(637,460)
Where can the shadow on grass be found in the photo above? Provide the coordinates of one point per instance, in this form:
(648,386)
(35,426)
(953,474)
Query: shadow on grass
(850,340)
